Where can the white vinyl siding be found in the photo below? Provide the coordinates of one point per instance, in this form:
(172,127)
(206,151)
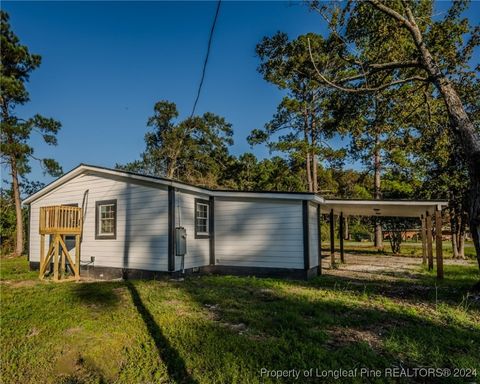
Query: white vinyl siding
(198,250)
(142,221)
(258,233)
(249,232)
(313,234)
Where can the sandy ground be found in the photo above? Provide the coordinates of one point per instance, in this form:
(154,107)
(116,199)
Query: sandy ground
(379,267)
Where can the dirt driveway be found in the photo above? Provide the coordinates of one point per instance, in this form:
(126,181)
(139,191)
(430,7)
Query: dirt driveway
(379,267)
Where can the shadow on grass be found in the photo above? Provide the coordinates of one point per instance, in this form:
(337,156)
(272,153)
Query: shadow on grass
(418,289)
(176,367)
(363,251)
(100,294)
(327,331)
(105,294)
(414,284)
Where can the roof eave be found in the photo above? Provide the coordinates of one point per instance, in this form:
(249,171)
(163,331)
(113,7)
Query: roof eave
(83,168)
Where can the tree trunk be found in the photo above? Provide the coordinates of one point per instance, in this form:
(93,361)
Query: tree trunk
(453,232)
(462,127)
(461,246)
(377,191)
(18,208)
(313,132)
(309,173)
(461,236)
(170,172)
(470,139)
(454,246)
(475,213)
(307,145)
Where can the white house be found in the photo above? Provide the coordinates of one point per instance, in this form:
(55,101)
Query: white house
(130,222)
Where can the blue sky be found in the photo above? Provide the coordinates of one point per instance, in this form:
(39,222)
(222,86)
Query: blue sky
(105,64)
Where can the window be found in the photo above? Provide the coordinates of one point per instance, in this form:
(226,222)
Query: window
(106,219)
(202,217)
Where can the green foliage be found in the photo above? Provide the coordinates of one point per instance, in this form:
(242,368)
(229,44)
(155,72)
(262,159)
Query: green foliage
(17,64)
(275,174)
(8,228)
(420,64)
(7,222)
(369,36)
(344,183)
(394,226)
(360,230)
(302,123)
(193,150)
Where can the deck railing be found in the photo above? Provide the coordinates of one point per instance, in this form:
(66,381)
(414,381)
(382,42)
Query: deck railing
(61,219)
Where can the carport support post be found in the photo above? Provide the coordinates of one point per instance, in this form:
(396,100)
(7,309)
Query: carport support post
(340,236)
(424,241)
(346,235)
(319,234)
(332,238)
(428,223)
(438,242)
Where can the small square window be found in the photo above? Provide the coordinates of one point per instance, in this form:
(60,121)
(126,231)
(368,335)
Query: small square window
(106,219)
(202,219)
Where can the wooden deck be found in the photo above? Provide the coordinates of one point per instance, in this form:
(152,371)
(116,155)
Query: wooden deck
(60,221)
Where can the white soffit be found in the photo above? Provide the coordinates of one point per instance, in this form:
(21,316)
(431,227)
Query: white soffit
(391,208)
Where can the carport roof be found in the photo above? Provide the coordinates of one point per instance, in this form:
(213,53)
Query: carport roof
(393,208)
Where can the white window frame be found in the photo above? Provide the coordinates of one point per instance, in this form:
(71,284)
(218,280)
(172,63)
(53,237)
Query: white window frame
(202,234)
(98,225)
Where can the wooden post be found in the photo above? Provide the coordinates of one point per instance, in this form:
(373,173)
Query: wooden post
(77,256)
(332,238)
(346,235)
(42,255)
(47,260)
(340,237)
(63,257)
(424,241)
(428,223)
(55,258)
(319,234)
(438,242)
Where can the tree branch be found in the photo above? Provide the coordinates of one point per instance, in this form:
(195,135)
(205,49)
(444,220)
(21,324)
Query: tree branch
(382,67)
(389,11)
(364,89)
(396,64)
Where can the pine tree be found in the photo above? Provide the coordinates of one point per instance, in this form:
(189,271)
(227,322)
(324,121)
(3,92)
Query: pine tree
(16,151)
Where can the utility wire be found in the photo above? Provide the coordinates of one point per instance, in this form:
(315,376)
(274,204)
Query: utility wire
(212,30)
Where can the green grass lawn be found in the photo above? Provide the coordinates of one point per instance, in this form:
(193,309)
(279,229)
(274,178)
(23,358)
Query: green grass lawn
(408,248)
(215,329)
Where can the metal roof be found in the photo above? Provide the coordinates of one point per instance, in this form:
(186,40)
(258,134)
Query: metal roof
(400,208)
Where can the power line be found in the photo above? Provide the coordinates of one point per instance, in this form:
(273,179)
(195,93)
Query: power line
(212,30)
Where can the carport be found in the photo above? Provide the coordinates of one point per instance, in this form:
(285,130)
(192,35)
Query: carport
(425,211)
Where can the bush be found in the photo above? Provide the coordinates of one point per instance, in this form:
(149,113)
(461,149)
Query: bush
(360,232)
